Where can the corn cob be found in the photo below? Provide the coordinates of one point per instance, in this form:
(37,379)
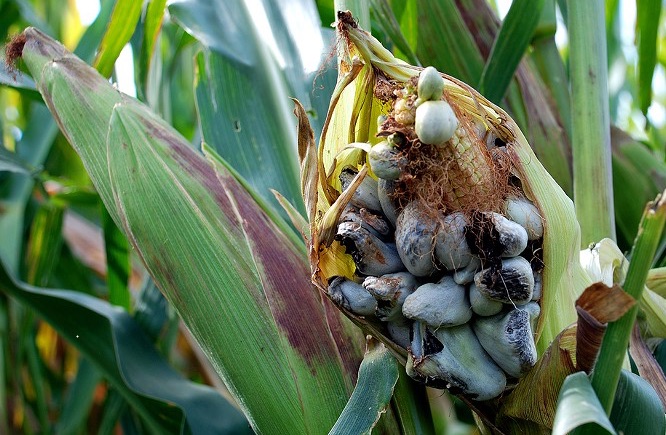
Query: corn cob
(474,214)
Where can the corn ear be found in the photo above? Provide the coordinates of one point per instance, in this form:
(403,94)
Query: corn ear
(375,96)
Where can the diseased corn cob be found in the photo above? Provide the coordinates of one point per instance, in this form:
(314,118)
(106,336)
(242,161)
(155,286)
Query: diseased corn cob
(481,286)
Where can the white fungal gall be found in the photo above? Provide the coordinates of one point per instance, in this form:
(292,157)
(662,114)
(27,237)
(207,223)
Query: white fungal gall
(386,161)
(512,283)
(481,305)
(415,239)
(366,195)
(523,212)
(451,248)
(352,296)
(443,304)
(431,85)
(508,340)
(464,364)
(384,189)
(512,236)
(435,122)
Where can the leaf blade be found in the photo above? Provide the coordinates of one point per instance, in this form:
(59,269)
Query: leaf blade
(648,13)
(125,357)
(377,377)
(578,406)
(510,45)
(125,15)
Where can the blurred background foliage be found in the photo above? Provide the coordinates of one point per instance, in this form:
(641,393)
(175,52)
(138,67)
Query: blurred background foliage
(221,72)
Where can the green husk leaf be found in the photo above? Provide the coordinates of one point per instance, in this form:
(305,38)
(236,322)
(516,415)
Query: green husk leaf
(239,284)
(376,379)
(578,406)
(194,265)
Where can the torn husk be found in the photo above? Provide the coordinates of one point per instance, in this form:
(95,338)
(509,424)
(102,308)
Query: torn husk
(458,155)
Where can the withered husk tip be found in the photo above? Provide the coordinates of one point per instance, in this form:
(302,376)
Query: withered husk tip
(14,51)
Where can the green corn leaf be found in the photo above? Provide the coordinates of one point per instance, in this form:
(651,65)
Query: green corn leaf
(79,399)
(17,80)
(387,20)
(376,379)
(648,13)
(9,162)
(638,176)
(125,15)
(110,338)
(238,283)
(411,403)
(510,45)
(32,149)
(243,89)
(43,250)
(578,406)
(637,408)
(441,25)
(152,24)
(114,408)
(32,16)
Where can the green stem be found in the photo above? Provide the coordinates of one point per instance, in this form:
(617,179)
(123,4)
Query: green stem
(551,68)
(614,346)
(593,180)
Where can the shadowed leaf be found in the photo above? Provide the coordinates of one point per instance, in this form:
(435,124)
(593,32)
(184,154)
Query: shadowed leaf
(120,350)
